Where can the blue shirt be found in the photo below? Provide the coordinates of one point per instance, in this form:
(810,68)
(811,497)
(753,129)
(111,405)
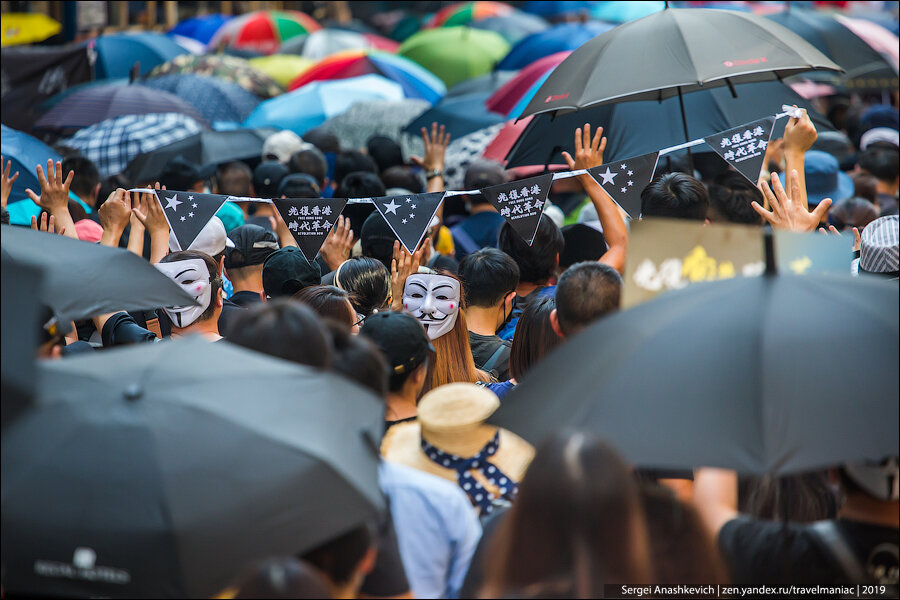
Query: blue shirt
(437,529)
(483,228)
(509,330)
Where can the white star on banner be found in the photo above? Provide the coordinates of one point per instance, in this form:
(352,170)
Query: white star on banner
(608,176)
(173,203)
(191,215)
(412,216)
(403,221)
(630,183)
(194,205)
(190,197)
(391,207)
(624,190)
(624,167)
(630,173)
(182,218)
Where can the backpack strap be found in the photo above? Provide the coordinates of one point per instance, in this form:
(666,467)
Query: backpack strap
(152,322)
(830,540)
(494,359)
(464,240)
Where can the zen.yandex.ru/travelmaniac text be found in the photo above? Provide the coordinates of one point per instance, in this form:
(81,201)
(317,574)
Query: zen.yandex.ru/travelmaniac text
(761,591)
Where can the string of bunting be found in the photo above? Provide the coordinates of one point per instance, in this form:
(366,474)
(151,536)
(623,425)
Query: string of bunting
(521,202)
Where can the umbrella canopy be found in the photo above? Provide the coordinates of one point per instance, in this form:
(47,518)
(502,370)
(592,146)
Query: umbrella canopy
(559,38)
(60,96)
(263,30)
(189,44)
(181,462)
(865,69)
(204,148)
(415,81)
(465,13)
(503,142)
(635,128)
(20,318)
(505,99)
(82,279)
(738,374)
(513,26)
(229,68)
(26,28)
(202,28)
(26,153)
(878,37)
(455,53)
(463,150)
(675,51)
(113,143)
(118,53)
(283,68)
(326,42)
(557,8)
(366,118)
(461,115)
(487,83)
(216,100)
(311,105)
(91,105)
(623,11)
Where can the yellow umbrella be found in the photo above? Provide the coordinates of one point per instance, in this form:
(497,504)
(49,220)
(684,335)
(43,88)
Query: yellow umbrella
(25,28)
(283,68)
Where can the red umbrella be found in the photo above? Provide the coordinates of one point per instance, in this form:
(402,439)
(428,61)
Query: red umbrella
(264,30)
(500,146)
(505,98)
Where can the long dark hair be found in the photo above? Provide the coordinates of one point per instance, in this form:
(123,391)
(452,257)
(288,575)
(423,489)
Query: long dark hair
(534,337)
(330,302)
(577,524)
(367,281)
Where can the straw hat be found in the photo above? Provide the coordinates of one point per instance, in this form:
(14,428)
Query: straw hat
(452,419)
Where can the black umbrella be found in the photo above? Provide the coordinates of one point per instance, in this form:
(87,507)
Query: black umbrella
(635,128)
(865,69)
(162,470)
(203,148)
(772,374)
(461,115)
(673,52)
(19,314)
(84,280)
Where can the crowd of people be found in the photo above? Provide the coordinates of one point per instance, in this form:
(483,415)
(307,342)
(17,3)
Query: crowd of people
(445,334)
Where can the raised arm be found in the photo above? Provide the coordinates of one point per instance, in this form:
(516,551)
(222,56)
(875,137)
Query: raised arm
(715,496)
(589,154)
(790,213)
(150,213)
(114,215)
(54,196)
(799,136)
(435,148)
(6,182)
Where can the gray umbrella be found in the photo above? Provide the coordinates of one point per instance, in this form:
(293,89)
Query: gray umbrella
(84,280)
(774,374)
(161,470)
(366,118)
(19,314)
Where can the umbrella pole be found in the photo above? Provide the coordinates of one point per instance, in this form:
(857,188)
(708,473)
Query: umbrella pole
(687,136)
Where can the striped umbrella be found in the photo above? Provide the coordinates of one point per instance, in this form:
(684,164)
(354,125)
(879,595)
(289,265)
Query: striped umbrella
(219,101)
(263,30)
(465,13)
(416,81)
(229,68)
(99,103)
(113,143)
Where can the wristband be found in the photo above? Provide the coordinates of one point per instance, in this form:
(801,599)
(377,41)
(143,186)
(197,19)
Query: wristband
(434,173)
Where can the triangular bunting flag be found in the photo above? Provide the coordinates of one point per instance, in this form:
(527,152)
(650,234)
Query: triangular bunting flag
(409,216)
(188,213)
(744,147)
(521,203)
(624,180)
(309,220)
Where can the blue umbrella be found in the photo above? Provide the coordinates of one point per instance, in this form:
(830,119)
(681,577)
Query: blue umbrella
(558,38)
(461,115)
(217,100)
(556,8)
(116,54)
(26,153)
(200,28)
(627,10)
(91,105)
(309,106)
(514,26)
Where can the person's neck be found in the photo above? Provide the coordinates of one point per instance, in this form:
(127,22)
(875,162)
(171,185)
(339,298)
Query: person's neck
(482,320)
(882,187)
(92,202)
(249,284)
(865,509)
(208,329)
(524,288)
(480,208)
(400,406)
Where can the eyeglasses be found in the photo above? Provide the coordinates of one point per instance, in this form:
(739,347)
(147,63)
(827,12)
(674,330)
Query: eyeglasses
(359,319)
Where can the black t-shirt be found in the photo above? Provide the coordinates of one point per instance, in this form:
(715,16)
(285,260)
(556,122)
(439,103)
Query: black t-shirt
(776,553)
(232,307)
(484,347)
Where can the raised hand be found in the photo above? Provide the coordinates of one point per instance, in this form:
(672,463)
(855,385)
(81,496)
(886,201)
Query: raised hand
(435,148)
(54,196)
(47,226)
(150,213)
(857,239)
(6,182)
(799,134)
(338,244)
(404,264)
(588,150)
(114,215)
(790,213)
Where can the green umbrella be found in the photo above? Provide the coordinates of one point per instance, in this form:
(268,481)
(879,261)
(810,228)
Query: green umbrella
(455,53)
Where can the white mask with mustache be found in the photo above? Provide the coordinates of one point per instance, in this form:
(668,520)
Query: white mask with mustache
(193,277)
(433,300)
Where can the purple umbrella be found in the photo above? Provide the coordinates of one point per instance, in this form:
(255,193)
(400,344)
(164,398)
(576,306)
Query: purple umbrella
(92,105)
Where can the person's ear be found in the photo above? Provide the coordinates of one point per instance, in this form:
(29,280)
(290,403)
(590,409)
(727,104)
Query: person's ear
(510,297)
(96,193)
(221,267)
(554,323)
(367,563)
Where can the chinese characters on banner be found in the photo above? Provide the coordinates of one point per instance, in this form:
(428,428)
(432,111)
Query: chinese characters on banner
(521,203)
(310,220)
(744,147)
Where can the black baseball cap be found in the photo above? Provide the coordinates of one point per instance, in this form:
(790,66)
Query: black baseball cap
(286,272)
(267,177)
(376,238)
(252,246)
(181,174)
(400,337)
